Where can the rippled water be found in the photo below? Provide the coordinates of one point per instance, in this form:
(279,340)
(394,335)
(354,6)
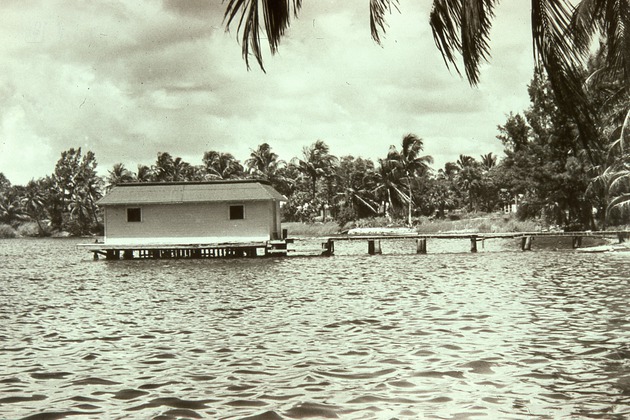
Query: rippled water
(498,334)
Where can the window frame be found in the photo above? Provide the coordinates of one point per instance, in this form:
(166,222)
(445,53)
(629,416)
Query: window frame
(139,214)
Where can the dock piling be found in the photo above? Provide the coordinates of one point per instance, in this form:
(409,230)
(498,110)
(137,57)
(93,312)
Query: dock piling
(577,242)
(374,247)
(473,243)
(421,246)
(526,243)
(328,248)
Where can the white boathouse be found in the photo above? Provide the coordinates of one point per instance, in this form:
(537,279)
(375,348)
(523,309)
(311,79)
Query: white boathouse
(191,220)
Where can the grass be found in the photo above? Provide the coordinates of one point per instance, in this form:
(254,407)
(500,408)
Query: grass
(486,223)
(311,229)
(492,223)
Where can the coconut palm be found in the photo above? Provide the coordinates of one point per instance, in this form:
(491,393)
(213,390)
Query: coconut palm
(387,184)
(34,203)
(163,168)
(488,161)
(143,174)
(410,163)
(317,163)
(11,210)
(181,170)
(118,175)
(221,165)
(354,195)
(265,164)
(562,37)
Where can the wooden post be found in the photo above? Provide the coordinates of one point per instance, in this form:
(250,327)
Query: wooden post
(577,242)
(526,243)
(421,246)
(621,237)
(374,247)
(95,256)
(473,243)
(329,248)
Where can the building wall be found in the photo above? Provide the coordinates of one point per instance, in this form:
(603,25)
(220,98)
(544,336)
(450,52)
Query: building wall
(191,223)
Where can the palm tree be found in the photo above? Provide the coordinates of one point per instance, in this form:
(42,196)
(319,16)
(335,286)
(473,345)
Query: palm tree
(118,175)
(181,170)
(611,188)
(354,195)
(465,161)
(469,179)
(562,37)
(410,163)
(317,163)
(222,165)
(263,163)
(387,184)
(143,174)
(163,168)
(34,203)
(11,210)
(488,161)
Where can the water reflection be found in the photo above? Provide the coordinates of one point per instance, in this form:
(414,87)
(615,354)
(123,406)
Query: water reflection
(499,334)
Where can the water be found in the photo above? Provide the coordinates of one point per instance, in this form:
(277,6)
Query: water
(498,334)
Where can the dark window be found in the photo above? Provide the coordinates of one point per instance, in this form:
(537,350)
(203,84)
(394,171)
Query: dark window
(237,212)
(134,215)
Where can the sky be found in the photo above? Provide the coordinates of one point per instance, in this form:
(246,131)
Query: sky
(128,80)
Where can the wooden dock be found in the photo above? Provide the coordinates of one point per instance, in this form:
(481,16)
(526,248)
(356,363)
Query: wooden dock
(374,241)
(188,251)
(280,247)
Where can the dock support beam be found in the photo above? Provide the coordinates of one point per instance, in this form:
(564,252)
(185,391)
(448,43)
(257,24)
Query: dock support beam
(577,242)
(374,247)
(473,243)
(421,246)
(329,248)
(526,243)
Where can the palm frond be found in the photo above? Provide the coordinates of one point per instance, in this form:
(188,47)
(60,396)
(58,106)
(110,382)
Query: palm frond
(584,20)
(276,16)
(378,8)
(476,25)
(625,131)
(556,49)
(462,27)
(445,20)
(615,22)
(620,202)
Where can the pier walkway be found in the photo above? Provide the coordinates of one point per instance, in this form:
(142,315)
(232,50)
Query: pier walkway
(374,241)
(279,248)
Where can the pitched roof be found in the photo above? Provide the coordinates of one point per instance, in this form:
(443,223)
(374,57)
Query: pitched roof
(190,192)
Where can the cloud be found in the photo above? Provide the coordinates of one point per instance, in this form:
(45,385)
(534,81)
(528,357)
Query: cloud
(128,80)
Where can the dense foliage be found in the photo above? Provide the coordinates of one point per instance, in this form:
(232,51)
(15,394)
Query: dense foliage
(545,173)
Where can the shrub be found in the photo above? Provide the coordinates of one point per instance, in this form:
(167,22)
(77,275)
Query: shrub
(32,229)
(7,231)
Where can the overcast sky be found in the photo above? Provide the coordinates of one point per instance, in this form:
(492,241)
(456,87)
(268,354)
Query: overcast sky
(130,79)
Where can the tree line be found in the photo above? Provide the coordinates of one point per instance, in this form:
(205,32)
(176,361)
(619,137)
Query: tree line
(545,170)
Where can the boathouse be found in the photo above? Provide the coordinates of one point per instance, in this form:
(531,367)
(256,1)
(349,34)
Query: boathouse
(181,213)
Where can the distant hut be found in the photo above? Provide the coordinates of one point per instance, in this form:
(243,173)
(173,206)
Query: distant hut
(192,213)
